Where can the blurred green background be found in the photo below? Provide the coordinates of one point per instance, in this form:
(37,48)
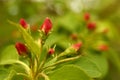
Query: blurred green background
(35,11)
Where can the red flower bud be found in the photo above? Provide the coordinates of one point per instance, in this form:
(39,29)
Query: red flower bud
(23,23)
(103,47)
(91,26)
(77,46)
(51,51)
(86,16)
(46,26)
(21,48)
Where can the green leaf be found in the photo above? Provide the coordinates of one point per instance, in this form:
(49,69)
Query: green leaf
(64,43)
(114,58)
(6,74)
(3,74)
(28,39)
(69,72)
(88,66)
(52,39)
(11,74)
(51,62)
(43,53)
(101,62)
(18,77)
(9,55)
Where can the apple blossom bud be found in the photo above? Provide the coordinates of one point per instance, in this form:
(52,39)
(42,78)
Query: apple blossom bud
(71,50)
(91,25)
(86,16)
(21,48)
(103,47)
(51,51)
(46,26)
(77,46)
(23,23)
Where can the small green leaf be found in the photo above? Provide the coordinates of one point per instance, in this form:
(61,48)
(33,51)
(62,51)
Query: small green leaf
(9,55)
(28,39)
(69,72)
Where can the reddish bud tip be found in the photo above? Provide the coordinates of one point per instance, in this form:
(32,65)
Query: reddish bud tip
(103,47)
(21,48)
(23,23)
(77,46)
(105,31)
(34,28)
(51,51)
(91,26)
(74,36)
(46,26)
(86,16)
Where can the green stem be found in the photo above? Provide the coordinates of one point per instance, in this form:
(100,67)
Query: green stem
(42,63)
(61,54)
(67,51)
(44,75)
(61,61)
(35,68)
(26,67)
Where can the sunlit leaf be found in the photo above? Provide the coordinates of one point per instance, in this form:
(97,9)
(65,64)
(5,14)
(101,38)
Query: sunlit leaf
(9,55)
(69,72)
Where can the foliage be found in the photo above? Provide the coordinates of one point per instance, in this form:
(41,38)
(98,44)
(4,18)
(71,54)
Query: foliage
(93,59)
